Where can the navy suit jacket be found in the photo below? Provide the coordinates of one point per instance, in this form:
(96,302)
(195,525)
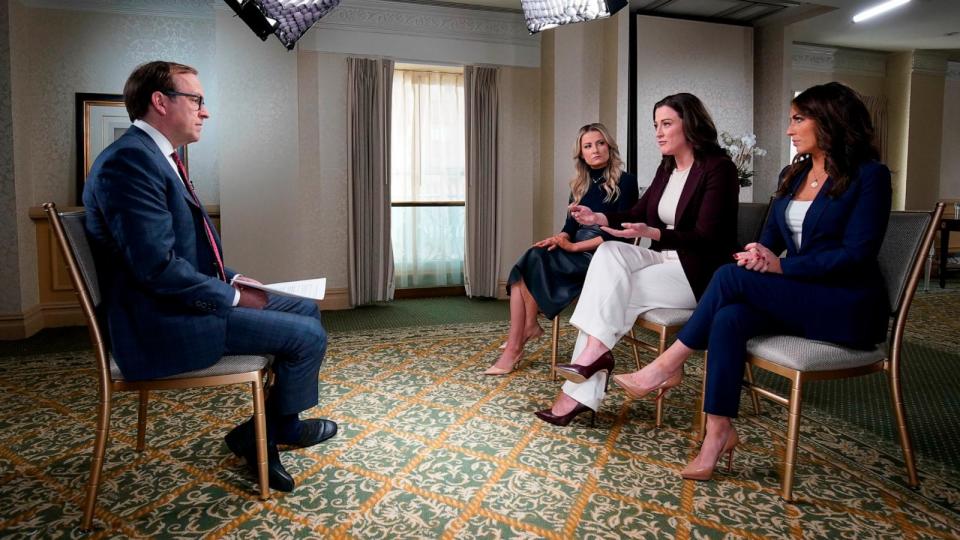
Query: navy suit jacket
(705,230)
(840,242)
(165,308)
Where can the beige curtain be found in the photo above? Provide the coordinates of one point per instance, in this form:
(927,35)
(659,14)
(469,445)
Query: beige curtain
(481,256)
(877,106)
(369,84)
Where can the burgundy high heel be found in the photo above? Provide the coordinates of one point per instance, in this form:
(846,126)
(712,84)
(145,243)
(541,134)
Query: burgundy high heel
(562,420)
(578,374)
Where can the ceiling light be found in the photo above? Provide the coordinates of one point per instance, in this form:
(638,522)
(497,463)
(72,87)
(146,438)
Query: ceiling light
(545,14)
(878,9)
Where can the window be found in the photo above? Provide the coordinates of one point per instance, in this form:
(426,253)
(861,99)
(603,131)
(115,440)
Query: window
(427,177)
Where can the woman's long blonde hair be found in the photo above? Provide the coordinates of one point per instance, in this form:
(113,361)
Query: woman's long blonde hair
(611,174)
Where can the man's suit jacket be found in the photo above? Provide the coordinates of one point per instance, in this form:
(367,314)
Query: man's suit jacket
(164,306)
(705,231)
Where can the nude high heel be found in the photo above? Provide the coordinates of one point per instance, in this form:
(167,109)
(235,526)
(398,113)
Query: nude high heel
(494,370)
(639,392)
(705,473)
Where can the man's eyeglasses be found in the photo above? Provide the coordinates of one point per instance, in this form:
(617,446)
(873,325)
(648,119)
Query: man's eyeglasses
(195,98)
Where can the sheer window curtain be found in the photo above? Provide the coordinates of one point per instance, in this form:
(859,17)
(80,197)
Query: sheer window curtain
(368,149)
(483,253)
(427,166)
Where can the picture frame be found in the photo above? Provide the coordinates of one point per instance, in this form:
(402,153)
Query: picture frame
(100,120)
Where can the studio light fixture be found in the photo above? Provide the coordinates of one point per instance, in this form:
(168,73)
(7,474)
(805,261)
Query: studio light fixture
(878,9)
(287,19)
(546,14)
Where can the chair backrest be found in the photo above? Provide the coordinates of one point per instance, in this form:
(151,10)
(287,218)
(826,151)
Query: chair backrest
(76,248)
(907,240)
(750,219)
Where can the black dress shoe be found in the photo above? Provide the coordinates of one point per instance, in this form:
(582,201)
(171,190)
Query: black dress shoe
(312,431)
(578,374)
(240,441)
(562,420)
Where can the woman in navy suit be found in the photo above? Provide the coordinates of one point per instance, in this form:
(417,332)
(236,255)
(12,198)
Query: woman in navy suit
(829,214)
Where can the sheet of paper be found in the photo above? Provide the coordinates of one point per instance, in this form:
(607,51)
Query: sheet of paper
(313,289)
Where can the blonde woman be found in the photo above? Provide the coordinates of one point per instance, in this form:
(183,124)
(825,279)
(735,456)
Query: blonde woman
(550,274)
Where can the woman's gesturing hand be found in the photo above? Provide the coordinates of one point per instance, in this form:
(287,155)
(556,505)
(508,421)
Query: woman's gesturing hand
(757,257)
(633,230)
(585,216)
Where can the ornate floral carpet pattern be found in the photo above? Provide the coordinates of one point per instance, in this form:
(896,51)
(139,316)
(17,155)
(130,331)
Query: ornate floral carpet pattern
(429,448)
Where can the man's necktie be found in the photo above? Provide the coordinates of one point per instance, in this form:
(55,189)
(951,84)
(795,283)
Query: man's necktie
(203,215)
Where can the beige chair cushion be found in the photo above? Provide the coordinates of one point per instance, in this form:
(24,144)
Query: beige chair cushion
(807,355)
(228,365)
(667,317)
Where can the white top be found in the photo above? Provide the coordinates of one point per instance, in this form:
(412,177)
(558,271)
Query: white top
(667,209)
(796,211)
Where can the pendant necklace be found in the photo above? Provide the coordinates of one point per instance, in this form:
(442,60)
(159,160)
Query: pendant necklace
(816,181)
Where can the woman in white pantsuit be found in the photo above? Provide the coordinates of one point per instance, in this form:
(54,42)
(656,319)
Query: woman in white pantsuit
(690,215)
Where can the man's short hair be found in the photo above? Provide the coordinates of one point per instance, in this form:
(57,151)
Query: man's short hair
(147,79)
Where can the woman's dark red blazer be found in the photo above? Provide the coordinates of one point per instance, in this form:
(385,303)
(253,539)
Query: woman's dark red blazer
(705,234)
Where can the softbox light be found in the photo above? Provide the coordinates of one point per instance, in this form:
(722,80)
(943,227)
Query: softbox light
(546,14)
(288,19)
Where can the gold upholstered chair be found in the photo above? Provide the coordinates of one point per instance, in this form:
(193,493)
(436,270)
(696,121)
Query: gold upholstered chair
(68,229)
(907,240)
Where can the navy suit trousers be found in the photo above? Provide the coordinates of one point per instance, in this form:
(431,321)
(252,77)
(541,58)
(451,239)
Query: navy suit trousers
(289,329)
(740,304)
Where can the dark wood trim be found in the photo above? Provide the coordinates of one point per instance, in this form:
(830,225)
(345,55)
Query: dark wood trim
(428,292)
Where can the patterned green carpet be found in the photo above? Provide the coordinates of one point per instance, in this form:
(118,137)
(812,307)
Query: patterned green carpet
(429,448)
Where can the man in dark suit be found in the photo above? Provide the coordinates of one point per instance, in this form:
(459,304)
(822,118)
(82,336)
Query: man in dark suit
(170,304)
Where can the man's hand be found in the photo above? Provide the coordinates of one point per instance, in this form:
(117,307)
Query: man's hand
(249,298)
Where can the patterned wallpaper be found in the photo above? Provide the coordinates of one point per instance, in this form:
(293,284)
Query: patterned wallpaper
(9,271)
(54,54)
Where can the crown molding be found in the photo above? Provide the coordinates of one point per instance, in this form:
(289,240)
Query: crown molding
(929,63)
(429,21)
(820,58)
(190,9)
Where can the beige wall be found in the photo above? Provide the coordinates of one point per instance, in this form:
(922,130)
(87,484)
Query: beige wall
(519,163)
(898,108)
(924,140)
(771,106)
(950,143)
(712,61)
(55,54)
(273,153)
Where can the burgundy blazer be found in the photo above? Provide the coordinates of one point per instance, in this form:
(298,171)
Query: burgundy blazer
(705,234)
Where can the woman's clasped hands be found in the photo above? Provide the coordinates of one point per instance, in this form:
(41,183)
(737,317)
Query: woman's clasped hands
(758,257)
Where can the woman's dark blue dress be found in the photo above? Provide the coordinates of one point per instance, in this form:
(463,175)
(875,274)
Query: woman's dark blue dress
(556,277)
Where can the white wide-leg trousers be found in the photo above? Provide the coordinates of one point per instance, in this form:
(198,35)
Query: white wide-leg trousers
(623,282)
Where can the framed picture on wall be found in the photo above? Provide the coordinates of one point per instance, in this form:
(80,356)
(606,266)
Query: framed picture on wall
(101,119)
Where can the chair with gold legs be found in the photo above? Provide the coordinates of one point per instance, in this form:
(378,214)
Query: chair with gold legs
(68,228)
(908,239)
(667,322)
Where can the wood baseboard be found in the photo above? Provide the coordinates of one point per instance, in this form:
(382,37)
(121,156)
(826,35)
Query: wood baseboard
(502,290)
(16,326)
(334,299)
